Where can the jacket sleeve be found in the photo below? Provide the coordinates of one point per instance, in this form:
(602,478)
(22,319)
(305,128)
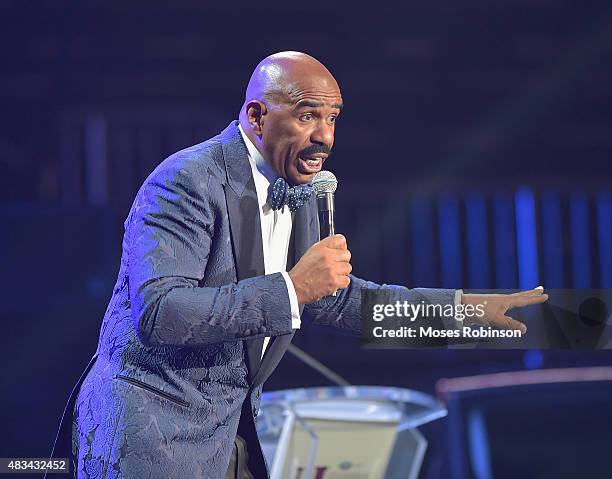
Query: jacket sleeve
(343,312)
(170,231)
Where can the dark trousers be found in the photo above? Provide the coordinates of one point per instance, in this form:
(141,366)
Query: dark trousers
(239,461)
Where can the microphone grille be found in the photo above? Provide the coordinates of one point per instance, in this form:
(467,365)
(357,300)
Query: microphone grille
(324,182)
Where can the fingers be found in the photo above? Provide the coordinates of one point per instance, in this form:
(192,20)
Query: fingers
(322,270)
(343,281)
(508,323)
(520,301)
(343,256)
(530,292)
(344,269)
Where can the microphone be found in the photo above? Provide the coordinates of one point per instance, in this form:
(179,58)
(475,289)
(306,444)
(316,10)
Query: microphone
(324,184)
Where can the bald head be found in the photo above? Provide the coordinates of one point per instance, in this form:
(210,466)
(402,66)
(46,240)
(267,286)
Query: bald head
(289,113)
(281,77)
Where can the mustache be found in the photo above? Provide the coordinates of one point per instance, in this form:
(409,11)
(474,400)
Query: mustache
(313,149)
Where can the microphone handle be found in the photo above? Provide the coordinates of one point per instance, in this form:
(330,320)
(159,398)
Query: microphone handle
(325,205)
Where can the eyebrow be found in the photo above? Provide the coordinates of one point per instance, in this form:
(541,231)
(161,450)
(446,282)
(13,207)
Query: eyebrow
(316,104)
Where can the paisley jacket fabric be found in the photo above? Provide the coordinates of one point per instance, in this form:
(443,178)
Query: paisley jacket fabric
(178,367)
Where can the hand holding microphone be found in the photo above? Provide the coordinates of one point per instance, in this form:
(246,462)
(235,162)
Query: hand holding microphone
(324,268)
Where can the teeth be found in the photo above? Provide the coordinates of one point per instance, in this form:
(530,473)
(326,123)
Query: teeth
(313,162)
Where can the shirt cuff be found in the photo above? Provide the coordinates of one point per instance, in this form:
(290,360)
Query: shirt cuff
(458,296)
(296,322)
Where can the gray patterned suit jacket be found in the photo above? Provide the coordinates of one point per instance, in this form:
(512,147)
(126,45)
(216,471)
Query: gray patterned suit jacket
(178,370)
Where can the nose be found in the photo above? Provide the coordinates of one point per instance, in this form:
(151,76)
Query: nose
(323,134)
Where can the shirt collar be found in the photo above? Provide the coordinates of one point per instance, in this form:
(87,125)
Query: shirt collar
(263,173)
(254,154)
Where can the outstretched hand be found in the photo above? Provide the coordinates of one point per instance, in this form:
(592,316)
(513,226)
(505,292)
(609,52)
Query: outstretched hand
(496,305)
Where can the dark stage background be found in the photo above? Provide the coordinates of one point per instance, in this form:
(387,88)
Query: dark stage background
(474,151)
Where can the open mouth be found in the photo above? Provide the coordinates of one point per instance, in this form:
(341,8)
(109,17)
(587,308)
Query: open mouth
(310,164)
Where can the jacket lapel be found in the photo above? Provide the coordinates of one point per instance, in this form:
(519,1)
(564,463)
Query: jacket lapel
(306,227)
(245,225)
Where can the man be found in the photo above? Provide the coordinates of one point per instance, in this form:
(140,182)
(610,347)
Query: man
(203,289)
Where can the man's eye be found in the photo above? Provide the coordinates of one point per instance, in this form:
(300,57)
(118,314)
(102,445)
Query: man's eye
(306,117)
(332,119)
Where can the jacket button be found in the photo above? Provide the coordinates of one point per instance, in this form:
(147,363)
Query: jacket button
(262,329)
(246,332)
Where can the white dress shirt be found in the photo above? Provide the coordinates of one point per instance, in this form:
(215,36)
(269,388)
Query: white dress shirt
(275,227)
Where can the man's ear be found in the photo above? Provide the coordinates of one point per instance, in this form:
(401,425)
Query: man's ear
(256,112)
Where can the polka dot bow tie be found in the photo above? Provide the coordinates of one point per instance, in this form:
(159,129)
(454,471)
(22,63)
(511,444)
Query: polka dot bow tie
(282,194)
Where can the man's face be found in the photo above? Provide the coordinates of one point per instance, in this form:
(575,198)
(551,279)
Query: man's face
(298,134)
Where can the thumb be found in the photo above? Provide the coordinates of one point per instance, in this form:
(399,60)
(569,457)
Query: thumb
(335,242)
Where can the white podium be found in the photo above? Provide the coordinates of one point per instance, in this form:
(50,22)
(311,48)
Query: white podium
(353,432)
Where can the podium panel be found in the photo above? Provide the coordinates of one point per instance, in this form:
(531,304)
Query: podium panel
(356,432)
